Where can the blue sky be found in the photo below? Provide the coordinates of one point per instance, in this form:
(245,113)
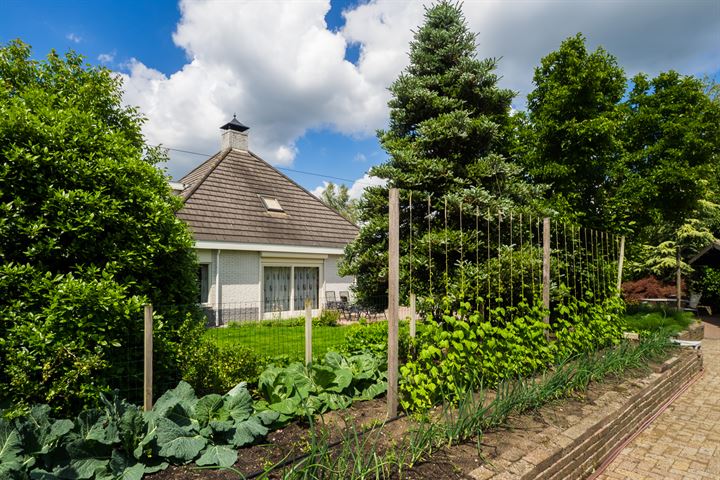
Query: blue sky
(310,78)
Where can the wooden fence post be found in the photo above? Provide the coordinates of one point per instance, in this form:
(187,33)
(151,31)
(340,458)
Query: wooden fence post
(148,360)
(308,331)
(546,270)
(621,260)
(678,279)
(393,301)
(413,316)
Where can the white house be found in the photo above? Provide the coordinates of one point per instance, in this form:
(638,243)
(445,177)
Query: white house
(263,242)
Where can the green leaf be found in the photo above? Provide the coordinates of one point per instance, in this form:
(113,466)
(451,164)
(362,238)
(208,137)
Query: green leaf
(10,445)
(239,406)
(183,396)
(248,431)
(220,455)
(208,408)
(287,406)
(178,443)
(123,468)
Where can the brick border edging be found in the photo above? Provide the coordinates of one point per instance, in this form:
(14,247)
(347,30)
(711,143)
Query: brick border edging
(580,449)
(696,331)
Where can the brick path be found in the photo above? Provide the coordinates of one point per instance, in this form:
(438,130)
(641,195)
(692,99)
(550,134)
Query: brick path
(684,441)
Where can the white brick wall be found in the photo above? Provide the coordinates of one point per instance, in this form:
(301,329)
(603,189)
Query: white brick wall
(240,290)
(240,277)
(333,281)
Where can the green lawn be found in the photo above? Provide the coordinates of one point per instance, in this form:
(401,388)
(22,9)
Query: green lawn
(640,319)
(278,339)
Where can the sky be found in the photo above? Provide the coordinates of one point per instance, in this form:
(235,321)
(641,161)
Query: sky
(310,77)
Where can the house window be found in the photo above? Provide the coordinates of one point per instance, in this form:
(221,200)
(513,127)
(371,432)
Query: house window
(306,283)
(204,282)
(277,289)
(284,287)
(271,204)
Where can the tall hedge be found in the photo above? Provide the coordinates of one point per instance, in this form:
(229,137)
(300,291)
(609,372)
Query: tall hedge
(88,234)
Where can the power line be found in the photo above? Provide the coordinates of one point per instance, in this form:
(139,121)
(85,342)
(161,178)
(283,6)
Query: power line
(321,175)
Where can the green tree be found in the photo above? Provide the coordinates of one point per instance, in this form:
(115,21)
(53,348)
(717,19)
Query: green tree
(672,153)
(670,171)
(448,138)
(573,137)
(338,198)
(87,235)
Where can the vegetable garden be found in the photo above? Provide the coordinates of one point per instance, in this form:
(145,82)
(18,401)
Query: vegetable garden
(489,328)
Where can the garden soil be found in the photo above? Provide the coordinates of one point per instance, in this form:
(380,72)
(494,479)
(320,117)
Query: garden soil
(521,434)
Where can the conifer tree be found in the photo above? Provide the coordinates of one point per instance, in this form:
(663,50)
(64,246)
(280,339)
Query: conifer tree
(448,137)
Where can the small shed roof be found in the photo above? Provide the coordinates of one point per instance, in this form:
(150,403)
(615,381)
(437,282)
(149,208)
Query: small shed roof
(235,196)
(709,255)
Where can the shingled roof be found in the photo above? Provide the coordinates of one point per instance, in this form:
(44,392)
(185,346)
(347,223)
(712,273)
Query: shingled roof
(223,203)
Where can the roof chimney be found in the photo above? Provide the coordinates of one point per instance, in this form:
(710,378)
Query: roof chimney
(235,135)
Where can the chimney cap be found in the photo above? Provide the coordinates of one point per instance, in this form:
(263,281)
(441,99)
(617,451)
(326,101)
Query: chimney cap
(234,125)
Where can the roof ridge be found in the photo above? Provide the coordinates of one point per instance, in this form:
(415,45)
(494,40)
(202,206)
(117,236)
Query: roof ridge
(202,179)
(305,190)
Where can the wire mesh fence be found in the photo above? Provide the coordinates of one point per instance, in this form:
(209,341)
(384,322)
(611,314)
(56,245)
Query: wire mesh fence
(280,335)
(451,254)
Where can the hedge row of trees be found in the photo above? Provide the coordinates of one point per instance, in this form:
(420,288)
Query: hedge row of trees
(88,234)
(638,157)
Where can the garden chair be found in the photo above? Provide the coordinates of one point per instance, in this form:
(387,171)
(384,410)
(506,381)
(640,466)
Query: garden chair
(694,304)
(331,301)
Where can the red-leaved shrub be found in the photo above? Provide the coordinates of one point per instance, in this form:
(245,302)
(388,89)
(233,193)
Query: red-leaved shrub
(649,287)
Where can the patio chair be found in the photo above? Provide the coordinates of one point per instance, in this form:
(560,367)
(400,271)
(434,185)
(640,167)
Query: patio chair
(694,304)
(331,301)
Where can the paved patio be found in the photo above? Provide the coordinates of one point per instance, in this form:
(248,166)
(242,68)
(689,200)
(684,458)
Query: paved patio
(684,441)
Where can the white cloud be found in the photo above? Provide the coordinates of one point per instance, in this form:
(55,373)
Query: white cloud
(106,57)
(276,64)
(360,157)
(317,191)
(73,37)
(283,73)
(361,184)
(356,190)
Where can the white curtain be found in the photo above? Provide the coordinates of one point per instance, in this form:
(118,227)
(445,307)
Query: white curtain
(307,280)
(277,289)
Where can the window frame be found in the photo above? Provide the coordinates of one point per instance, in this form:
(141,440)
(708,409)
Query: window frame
(206,291)
(292,264)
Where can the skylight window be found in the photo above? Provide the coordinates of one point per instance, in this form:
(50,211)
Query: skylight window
(271,204)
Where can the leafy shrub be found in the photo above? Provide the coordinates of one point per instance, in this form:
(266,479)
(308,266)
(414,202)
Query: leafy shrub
(708,284)
(327,318)
(648,287)
(88,233)
(210,368)
(373,337)
(463,349)
(466,348)
(119,441)
(584,325)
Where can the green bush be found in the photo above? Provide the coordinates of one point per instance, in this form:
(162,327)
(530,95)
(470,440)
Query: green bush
(88,233)
(373,337)
(327,318)
(465,348)
(210,368)
(582,325)
(709,285)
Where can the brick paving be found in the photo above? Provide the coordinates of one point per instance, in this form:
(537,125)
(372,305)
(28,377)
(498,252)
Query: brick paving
(684,441)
